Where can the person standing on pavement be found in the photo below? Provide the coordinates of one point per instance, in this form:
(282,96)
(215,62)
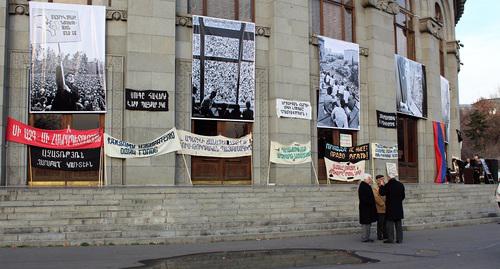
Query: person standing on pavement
(394,192)
(367,208)
(380,203)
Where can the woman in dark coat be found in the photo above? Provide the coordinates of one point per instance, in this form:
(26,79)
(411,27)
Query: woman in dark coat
(367,207)
(394,192)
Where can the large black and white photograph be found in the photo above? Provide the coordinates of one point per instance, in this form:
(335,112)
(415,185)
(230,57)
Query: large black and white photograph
(445,106)
(339,94)
(67,73)
(223,72)
(411,93)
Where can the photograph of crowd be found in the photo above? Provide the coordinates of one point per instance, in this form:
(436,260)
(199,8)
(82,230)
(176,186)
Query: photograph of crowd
(67,73)
(445,106)
(223,72)
(339,94)
(410,87)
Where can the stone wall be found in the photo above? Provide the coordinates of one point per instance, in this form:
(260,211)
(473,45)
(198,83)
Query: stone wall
(130,215)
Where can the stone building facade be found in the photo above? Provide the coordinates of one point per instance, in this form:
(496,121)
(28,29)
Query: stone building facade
(148,46)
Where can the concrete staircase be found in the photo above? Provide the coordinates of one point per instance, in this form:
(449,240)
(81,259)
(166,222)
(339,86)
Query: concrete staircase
(162,215)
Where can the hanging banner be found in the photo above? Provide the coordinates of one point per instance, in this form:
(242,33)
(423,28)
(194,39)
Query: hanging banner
(380,151)
(223,69)
(54,139)
(387,120)
(67,73)
(147,100)
(346,164)
(411,87)
(294,153)
(440,150)
(215,146)
(67,160)
(445,107)
(392,169)
(339,95)
(293,109)
(166,143)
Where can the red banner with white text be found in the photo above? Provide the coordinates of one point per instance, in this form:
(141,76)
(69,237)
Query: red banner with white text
(54,139)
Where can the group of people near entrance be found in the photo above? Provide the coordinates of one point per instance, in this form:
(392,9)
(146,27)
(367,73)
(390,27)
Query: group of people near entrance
(382,203)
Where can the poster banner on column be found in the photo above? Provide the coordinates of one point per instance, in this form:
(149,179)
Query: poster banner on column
(380,151)
(166,143)
(294,153)
(293,109)
(68,160)
(146,100)
(339,94)
(19,132)
(445,107)
(387,120)
(392,169)
(411,89)
(215,146)
(223,69)
(346,163)
(67,73)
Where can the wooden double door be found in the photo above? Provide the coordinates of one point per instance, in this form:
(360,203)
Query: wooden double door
(221,171)
(407,149)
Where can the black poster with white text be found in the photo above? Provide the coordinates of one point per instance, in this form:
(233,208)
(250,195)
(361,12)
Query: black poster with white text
(147,100)
(67,160)
(387,120)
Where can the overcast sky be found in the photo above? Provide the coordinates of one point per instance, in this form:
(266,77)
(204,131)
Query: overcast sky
(479,31)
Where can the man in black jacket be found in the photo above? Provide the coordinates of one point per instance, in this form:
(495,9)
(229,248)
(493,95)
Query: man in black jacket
(394,192)
(367,208)
(67,96)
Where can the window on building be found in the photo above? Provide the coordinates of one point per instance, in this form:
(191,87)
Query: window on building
(84,2)
(404,35)
(242,10)
(440,19)
(332,18)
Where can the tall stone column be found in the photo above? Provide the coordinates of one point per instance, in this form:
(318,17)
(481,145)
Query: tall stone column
(378,73)
(3,87)
(430,38)
(289,79)
(150,64)
(452,50)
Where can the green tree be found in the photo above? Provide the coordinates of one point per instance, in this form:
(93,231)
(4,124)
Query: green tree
(476,129)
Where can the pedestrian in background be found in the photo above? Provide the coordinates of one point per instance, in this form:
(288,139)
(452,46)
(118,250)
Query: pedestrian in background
(367,208)
(380,203)
(394,193)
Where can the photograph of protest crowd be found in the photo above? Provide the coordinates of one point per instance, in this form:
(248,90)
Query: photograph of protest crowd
(410,87)
(223,72)
(67,58)
(339,95)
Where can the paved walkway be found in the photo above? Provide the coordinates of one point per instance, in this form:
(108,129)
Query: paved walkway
(475,247)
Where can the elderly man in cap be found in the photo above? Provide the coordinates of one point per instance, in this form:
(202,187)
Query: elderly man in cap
(367,207)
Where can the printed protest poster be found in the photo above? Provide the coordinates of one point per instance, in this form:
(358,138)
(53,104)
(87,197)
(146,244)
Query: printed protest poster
(346,164)
(445,107)
(67,160)
(19,132)
(411,89)
(345,140)
(392,169)
(387,120)
(67,44)
(166,143)
(215,146)
(294,153)
(223,72)
(293,109)
(147,100)
(339,94)
(380,151)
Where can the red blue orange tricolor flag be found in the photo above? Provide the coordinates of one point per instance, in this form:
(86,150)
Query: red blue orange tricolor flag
(440,150)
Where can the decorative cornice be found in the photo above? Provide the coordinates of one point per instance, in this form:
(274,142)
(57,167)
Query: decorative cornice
(313,40)
(18,7)
(388,6)
(432,26)
(187,21)
(453,47)
(116,14)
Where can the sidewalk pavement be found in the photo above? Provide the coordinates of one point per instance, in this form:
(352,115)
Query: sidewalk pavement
(476,246)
